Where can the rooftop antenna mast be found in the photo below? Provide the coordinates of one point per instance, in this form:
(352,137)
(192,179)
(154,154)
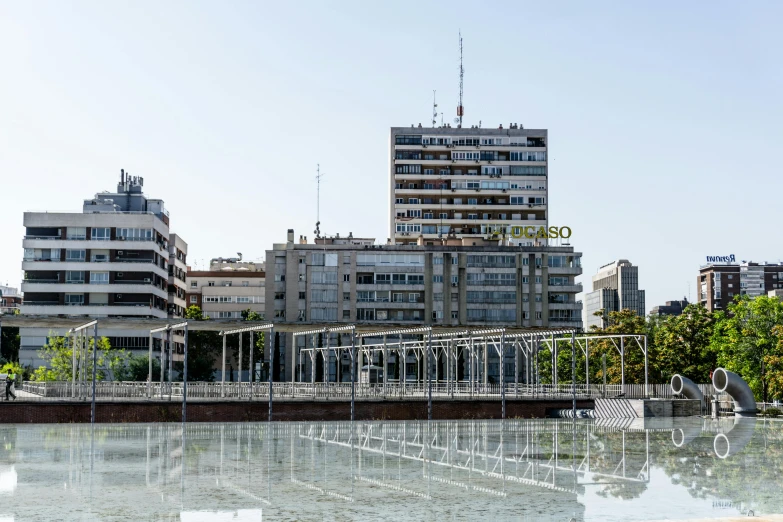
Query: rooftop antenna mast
(318,177)
(460,109)
(434,110)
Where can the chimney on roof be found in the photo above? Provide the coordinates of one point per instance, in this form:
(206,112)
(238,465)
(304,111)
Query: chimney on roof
(290,235)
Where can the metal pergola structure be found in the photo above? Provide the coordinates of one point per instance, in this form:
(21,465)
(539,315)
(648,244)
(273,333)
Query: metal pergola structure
(81,341)
(448,359)
(251,330)
(168,329)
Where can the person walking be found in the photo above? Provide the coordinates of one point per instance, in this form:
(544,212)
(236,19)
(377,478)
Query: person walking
(9,382)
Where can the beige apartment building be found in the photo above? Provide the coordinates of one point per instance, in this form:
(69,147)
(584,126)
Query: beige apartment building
(228,288)
(468,182)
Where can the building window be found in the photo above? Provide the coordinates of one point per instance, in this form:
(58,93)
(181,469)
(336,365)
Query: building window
(74,299)
(538,279)
(455,315)
(346,314)
(193,299)
(245,283)
(437,260)
(454,260)
(454,296)
(74,276)
(75,255)
(226,283)
(437,279)
(454,279)
(437,296)
(278,278)
(346,278)
(100,234)
(538,315)
(99,278)
(210,283)
(194,284)
(346,296)
(538,298)
(76,233)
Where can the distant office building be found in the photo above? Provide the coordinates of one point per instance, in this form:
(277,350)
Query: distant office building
(110,260)
(670,308)
(10,300)
(228,288)
(456,282)
(615,288)
(469,182)
(719,283)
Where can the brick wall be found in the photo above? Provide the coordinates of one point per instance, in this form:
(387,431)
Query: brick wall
(142,411)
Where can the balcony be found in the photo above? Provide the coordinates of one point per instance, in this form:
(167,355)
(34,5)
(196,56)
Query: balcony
(567,289)
(92,310)
(126,287)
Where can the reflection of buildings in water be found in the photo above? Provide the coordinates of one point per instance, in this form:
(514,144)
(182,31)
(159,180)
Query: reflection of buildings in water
(451,466)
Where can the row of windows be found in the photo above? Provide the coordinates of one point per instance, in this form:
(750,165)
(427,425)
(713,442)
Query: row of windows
(491,297)
(483,314)
(390,259)
(492,261)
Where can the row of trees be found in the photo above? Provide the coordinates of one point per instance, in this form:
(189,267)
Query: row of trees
(205,349)
(747,339)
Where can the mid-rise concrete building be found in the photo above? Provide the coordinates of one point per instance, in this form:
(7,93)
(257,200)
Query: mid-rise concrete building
(719,283)
(469,182)
(110,260)
(457,282)
(228,288)
(615,288)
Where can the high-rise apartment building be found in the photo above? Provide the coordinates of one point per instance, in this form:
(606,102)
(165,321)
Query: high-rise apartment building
(719,283)
(228,288)
(468,182)
(615,288)
(110,260)
(456,282)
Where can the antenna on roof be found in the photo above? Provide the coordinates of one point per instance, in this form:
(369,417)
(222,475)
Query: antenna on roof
(318,177)
(434,110)
(460,109)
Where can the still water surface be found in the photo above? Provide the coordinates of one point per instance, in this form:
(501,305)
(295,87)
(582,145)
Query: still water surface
(536,470)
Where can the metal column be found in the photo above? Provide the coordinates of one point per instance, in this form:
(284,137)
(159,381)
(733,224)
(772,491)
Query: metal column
(502,376)
(271,341)
(184,387)
(223,373)
(149,370)
(94,371)
(646,385)
(170,356)
(353,373)
(429,375)
(250,376)
(239,367)
(622,364)
(573,372)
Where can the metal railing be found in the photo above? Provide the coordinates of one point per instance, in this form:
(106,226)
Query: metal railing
(412,390)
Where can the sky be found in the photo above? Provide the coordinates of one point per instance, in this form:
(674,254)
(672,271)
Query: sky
(663,117)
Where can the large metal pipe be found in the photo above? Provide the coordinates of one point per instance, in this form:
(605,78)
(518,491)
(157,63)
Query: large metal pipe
(684,386)
(734,440)
(731,383)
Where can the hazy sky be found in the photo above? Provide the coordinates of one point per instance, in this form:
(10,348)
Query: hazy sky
(664,118)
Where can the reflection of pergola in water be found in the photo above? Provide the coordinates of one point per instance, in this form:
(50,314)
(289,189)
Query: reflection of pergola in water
(479,456)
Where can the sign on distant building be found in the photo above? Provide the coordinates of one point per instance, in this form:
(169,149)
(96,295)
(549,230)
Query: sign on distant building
(721,259)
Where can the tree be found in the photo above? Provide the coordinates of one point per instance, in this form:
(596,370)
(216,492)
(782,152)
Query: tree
(9,339)
(59,358)
(137,368)
(683,346)
(746,339)
(623,322)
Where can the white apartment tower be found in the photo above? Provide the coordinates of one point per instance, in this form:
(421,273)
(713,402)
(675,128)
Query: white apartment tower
(468,182)
(111,260)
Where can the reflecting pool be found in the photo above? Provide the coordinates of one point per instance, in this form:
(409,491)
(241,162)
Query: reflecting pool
(536,470)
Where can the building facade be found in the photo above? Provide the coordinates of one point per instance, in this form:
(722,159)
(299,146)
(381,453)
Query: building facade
(10,300)
(670,308)
(468,182)
(228,288)
(718,284)
(454,283)
(615,288)
(110,260)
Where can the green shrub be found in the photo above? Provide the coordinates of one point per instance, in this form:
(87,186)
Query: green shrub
(773,412)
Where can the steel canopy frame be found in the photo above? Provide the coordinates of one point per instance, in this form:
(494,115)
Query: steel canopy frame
(270,327)
(80,329)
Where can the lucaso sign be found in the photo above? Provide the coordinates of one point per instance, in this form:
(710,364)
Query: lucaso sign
(540,232)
